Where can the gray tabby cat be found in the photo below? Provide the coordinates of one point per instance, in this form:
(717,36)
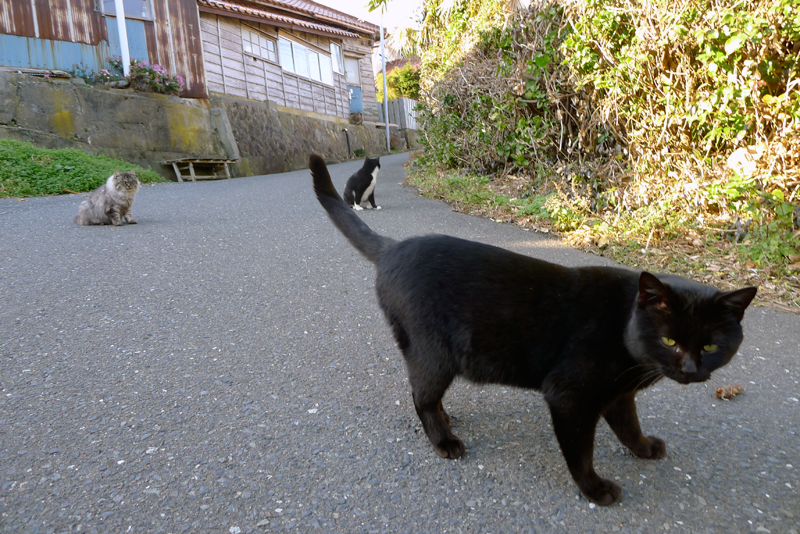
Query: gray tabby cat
(111,202)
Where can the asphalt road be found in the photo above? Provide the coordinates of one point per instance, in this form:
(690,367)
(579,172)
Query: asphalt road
(223,367)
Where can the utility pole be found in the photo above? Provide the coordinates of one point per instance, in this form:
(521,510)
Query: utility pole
(123,38)
(385,92)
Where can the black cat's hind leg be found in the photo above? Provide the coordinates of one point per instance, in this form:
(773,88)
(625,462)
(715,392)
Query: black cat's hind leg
(371,199)
(428,388)
(575,426)
(621,417)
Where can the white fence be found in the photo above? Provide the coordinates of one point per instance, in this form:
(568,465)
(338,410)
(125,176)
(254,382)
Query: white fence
(401,113)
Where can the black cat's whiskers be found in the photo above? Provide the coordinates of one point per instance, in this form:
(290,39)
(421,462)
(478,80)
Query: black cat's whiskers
(650,371)
(649,379)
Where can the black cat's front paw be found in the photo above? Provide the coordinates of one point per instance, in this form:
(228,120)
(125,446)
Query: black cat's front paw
(452,449)
(601,491)
(651,447)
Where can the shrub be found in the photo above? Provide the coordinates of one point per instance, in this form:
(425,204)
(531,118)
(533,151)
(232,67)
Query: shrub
(147,77)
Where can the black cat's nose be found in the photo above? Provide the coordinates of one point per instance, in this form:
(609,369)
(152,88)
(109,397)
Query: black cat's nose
(688,366)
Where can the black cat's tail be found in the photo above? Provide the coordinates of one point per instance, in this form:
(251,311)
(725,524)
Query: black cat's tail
(344,218)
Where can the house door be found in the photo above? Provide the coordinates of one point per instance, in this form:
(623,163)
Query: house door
(356,103)
(353,79)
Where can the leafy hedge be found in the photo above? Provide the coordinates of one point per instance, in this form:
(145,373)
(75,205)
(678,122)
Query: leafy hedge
(26,170)
(639,118)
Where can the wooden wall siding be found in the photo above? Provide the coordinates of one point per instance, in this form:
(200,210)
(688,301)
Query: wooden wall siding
(306,95)
(291,90)
(230,71)
(274,77)
(230,43)
(73,21)
(256,80)
(211,53)
(368,92)
(341,95)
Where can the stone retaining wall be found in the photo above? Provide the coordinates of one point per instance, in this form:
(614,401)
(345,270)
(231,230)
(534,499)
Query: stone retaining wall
(273,139)
(143,128)
(148,128)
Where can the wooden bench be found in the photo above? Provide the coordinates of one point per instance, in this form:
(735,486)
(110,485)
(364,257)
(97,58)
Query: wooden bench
(203,166)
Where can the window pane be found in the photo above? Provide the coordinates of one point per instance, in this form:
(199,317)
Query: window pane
(313,65)
(247,47)
(336,58)
(351,71)
(285,49)
(300,54)
(325,69)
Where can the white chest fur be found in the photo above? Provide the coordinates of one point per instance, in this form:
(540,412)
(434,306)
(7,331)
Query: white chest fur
(370,188)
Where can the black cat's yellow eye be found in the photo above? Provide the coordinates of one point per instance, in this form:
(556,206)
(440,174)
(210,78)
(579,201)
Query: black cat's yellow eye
(667,341)
(710,348)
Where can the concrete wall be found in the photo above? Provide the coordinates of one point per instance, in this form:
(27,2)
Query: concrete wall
(143,128)
(273,139)
(147,128)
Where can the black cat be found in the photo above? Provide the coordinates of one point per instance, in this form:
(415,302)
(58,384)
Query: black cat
(588,338)
(360,187)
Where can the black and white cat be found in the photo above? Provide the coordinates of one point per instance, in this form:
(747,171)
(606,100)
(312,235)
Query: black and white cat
(588,338)
(359,192)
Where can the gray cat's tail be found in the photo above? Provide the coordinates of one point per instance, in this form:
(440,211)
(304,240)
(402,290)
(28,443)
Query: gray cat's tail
(344,218)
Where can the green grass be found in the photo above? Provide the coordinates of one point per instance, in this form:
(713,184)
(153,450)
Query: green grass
(28,171)
(473,193)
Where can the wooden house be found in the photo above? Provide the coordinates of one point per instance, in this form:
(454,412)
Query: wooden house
(296,53)
(310,57)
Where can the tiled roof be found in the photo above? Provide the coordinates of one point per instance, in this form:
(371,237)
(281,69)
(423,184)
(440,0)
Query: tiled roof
(312,8)
(234,7)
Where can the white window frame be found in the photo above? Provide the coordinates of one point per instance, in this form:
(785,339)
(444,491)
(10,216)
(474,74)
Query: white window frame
(261,47)
(306,56)
(337,58)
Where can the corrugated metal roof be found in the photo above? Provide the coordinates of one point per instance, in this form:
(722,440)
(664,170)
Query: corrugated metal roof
(314,9)
(233,7)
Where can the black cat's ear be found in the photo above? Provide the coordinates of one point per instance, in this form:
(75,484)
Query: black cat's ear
(652,292)
(738,300)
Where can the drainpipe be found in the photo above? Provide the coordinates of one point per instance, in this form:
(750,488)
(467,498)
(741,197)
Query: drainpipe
(349,152)
(123,38)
